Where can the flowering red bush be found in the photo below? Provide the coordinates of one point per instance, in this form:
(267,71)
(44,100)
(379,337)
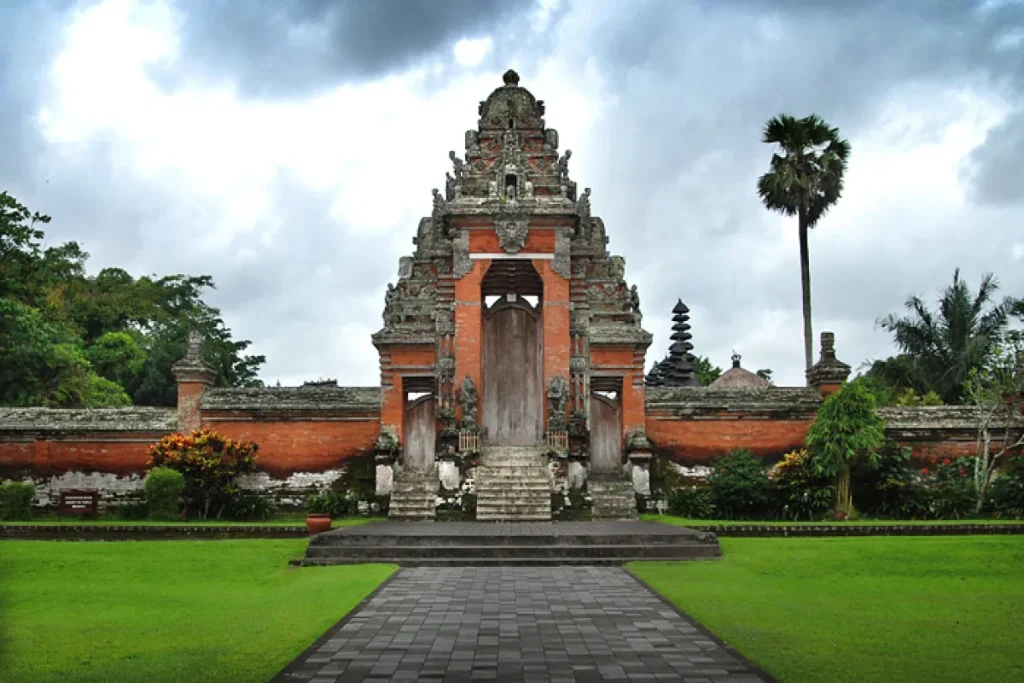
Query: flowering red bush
(210,464)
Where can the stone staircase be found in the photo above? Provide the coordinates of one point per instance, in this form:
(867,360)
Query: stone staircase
(513,484)
(414,496)
(515,544)
(612,497)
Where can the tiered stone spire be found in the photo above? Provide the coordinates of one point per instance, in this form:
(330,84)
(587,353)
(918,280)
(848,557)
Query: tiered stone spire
(677,368)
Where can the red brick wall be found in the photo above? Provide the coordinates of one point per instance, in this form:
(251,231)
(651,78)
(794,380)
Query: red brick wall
(121,454)
(694,442)
(303,445)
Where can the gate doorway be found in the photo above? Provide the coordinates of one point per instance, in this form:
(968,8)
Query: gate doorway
(513,395)
(420,427)
(606,425)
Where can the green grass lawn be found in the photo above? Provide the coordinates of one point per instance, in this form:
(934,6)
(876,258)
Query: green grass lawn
(861,609)
(166,610)
(277,520)
(685,521)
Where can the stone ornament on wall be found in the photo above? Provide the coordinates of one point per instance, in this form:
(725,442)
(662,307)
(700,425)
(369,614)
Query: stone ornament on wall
(512,233)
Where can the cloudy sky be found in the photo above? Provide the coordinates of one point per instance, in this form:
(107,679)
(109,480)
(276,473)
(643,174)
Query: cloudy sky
(288,148)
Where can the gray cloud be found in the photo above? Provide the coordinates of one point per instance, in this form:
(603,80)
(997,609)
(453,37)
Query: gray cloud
(674,165)
(293,47)
(673,162)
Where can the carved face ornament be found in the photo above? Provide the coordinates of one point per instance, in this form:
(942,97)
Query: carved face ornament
(512,234)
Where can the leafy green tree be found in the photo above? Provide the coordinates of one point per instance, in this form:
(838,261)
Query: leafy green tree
(805,178)
(996,390)
(846,427)
(943,347)
(765,374)
(117,356)
(63,331)
(705,371)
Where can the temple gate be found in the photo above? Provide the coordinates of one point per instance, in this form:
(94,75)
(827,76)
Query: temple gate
(511,304)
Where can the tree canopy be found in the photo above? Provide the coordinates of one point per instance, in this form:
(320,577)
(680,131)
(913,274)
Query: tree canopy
(73,340)
(941,347)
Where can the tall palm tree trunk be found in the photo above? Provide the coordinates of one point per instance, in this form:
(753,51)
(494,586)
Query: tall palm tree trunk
(805,285)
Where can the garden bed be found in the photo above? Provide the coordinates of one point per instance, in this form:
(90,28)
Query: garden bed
(874,527)
(117,530)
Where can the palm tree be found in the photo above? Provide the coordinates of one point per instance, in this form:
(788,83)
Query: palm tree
(946,344)
(805,179)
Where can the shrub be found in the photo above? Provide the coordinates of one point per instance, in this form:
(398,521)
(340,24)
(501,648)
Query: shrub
(800,493)
(132,510)
(210,464)
(1007,491)
(164,488)
(845,429)
(16,501)
(889,487)
(949,490)
(334,503)
(694,502)
(246,506)
(739,485)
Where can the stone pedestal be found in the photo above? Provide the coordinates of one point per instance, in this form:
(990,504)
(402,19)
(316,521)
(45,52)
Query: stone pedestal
(449,473)
(385,478)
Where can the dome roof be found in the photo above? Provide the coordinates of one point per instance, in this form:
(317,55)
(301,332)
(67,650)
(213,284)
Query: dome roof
(738,378)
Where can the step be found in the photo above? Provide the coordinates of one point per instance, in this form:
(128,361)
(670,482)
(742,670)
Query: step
(368,553)
(510,540)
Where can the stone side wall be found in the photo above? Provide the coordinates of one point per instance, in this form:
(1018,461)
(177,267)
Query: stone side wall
(305,435)
(694,425)
(81,449)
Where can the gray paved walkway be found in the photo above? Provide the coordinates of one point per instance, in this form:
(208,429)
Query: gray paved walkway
(507,624)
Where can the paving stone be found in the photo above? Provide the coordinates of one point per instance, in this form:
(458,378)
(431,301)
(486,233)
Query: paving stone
(561,624)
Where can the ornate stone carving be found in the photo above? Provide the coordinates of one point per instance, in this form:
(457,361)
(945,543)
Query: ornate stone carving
(468,398)
(828,369)
(462,265)
(561,263)
(551,141)
(617,268)
(583,207)
(458,164)
(404,267)
(561,167)
(512,233)
(473,142)
(389,303)
(558,395)
(634,303)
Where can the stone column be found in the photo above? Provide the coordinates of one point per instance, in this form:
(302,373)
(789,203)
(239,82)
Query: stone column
(829,373)
(193,376)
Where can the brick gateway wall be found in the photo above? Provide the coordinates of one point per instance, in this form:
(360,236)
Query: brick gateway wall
(307,434)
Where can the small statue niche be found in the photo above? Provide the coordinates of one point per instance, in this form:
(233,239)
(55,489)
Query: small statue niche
(511,186)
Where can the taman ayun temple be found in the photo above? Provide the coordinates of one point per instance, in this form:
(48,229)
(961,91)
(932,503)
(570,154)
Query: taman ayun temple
(512,357)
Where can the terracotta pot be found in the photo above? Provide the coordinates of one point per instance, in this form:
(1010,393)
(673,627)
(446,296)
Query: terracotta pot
(317,523)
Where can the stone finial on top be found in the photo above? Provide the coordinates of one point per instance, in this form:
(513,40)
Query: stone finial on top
(829,372)
(511,78)
(193,366)
(736,359)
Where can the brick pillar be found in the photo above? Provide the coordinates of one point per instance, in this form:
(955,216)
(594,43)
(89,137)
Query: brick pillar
(555,320)
(829,373)
(469,327)
(193,376)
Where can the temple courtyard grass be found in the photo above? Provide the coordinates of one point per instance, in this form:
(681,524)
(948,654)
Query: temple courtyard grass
(166,610)
(861,609)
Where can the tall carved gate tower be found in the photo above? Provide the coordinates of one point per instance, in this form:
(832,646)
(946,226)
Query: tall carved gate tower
(511,326)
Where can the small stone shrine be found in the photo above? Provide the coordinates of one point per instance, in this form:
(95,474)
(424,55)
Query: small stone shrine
(511,342)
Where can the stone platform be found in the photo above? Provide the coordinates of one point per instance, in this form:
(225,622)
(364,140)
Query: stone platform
(509,544)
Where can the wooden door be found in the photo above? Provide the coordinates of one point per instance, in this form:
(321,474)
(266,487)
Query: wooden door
(420,434)
(513,404)
(605,434)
